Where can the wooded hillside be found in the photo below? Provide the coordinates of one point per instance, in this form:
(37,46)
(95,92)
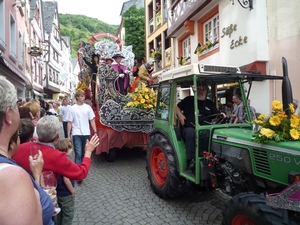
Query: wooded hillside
(80,27)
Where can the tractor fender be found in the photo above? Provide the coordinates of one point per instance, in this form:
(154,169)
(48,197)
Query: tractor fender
(238,157)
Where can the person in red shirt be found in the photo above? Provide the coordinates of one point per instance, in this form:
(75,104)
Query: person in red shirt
(48,129)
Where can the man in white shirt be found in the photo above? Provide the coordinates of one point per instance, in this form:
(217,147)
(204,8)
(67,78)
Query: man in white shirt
(80,117)
(64,109)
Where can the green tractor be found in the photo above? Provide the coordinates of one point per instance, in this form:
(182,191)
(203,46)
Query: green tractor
(261,178)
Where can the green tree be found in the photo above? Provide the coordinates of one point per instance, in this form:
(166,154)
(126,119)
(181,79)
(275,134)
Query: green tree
(134,24)
(81,28)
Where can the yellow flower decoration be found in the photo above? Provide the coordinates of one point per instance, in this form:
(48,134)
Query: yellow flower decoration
(275,120)
(294,134)
(261,116)
(276,106)
(291,106)
(267,132)
(258,122)
(143,98)
(279,126)
(294,122)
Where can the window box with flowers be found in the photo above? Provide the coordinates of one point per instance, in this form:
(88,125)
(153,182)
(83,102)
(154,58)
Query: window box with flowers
(208,47)
(278,126)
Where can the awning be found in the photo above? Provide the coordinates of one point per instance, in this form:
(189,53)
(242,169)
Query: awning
(14,68)
(37,93)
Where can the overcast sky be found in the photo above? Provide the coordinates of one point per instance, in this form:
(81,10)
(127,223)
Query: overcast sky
(107,11)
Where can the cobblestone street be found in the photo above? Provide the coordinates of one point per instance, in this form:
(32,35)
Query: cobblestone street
(119,193)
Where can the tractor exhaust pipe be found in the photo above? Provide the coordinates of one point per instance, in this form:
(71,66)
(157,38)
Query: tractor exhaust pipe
(287,94)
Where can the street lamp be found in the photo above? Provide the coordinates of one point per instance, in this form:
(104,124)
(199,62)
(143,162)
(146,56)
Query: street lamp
(246,4)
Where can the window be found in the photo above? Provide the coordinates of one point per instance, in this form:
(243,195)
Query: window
(186,47)
(208,33)
(12,37)
(211,29)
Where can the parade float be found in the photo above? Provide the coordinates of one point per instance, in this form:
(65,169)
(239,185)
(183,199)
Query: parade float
(121,120)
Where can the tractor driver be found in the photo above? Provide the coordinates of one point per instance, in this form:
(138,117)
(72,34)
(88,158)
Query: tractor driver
(185,111)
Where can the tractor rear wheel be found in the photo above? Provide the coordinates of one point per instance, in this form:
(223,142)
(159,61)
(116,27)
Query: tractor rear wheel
(162,168)
(251,209)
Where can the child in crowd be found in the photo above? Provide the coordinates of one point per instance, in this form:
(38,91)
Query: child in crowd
(65,188)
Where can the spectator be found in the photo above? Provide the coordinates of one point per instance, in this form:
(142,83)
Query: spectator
(19,102)
(241,113)
(25,112)
(65,188)
(56,107)
(237,102)
(48,129)
(42,112)
(51,109)
(47,108)
(17,188)
(296,104)
(27,130)
(252,110)
(157,7)
(64,110)
(34,107)
(79,118)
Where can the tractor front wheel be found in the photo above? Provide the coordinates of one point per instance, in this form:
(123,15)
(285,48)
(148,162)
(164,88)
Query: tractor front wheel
(162,168)
(251,209)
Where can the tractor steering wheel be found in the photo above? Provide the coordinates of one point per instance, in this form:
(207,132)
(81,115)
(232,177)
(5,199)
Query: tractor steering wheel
(219,115)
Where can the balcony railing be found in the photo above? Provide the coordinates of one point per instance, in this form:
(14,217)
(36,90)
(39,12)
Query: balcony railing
(158,19)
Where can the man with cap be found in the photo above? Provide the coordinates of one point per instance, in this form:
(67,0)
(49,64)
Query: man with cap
(122,82)
(185,111)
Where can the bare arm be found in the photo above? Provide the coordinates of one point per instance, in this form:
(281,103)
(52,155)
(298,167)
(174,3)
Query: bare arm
(91,145)
(19,200)
(36,167)
(180,115)
(69,126)
(93,125)
(69,185)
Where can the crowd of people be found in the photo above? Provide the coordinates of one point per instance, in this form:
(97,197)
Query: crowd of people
(24,124)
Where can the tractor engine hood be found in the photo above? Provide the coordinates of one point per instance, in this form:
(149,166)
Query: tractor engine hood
(242,136)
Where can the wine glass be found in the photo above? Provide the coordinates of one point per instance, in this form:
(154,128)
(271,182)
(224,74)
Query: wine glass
(49,185)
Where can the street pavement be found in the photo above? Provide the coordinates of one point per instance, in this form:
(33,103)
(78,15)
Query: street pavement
(119,193)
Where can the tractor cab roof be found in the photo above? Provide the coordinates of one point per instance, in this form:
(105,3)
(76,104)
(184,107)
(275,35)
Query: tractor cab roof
(211,74)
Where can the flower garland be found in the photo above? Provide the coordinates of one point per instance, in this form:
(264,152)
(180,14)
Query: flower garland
(277,126)
(143,98)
